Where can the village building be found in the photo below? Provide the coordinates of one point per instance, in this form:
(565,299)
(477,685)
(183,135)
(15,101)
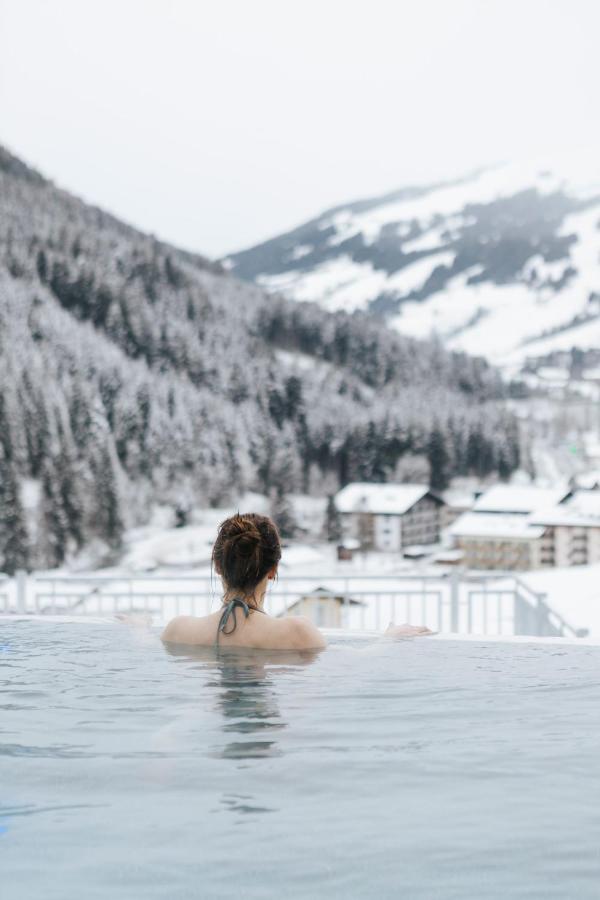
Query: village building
(572,529)
(347,549)
(389,517)
(456,502)
(499,533)
(518,528)
(498,541)
(324,608)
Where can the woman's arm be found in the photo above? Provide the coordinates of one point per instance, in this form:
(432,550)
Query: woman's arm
(406,630)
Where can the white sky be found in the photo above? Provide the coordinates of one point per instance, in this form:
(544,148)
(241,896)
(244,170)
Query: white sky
(219,124)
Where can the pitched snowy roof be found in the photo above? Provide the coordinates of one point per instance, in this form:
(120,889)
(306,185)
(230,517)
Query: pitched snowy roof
(381,499)
(581,510)
(521,499)
(588,479)
(458,499)
(323,593)
(497,525)
(586,502)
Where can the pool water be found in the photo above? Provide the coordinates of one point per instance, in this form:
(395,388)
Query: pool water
(423,768)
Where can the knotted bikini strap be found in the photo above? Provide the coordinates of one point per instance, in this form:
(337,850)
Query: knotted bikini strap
(229,613)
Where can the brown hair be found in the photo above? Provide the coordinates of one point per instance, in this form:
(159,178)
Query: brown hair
(246,548)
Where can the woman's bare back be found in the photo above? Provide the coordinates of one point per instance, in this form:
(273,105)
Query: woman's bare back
(257,630)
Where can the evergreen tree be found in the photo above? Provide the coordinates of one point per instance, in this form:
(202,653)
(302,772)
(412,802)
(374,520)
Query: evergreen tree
(282,514)
(438,459)
(474,450)
(13,531)
(333,521)
(42,265)
(108,516)
(55,521)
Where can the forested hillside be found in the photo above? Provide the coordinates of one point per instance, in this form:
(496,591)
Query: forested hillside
(133,373)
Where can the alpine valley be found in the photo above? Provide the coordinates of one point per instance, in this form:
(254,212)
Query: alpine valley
(133,373)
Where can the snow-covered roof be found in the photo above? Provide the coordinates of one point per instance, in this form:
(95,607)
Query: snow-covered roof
(498,525)
(350,544)
(588,479)
(516,498)
(458,498)
(381,499)
(416,551)
(585,502)
(323,593)
(581,510)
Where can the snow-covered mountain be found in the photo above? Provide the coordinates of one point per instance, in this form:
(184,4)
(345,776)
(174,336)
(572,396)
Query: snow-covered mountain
(504,262)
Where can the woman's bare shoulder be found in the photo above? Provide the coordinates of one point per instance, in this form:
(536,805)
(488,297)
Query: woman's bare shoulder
(189,630)
(301,634)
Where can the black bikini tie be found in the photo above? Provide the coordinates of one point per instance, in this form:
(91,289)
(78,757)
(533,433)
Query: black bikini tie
(229,613)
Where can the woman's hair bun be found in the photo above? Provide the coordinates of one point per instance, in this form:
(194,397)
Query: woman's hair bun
(246,549)
(247,539)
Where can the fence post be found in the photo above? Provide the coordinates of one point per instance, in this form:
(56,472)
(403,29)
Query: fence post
(544,626)
(21,579)
(346,606)
(454,599)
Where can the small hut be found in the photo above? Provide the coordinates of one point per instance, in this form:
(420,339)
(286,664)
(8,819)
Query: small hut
(347,549)
(323,607)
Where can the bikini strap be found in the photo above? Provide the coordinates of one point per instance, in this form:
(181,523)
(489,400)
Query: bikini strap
(229,613)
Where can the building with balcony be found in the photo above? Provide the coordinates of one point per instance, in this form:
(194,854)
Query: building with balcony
(390,517)
(504,532)
(498,541)
(572,529)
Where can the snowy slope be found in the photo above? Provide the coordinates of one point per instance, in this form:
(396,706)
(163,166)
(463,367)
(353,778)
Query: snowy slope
(504,263)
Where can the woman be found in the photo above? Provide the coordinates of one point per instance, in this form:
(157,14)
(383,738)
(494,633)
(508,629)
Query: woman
(246,555)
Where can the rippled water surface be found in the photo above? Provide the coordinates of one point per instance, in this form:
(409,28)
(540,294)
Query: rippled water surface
(418,769)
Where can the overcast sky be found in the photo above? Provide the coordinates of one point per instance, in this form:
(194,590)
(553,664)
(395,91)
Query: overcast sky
(219,124)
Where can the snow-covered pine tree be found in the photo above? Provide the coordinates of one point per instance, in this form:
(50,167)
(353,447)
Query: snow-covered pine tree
(14,548)
(283,514)
(438,459)
(55,528)
(108,515)
(333,521)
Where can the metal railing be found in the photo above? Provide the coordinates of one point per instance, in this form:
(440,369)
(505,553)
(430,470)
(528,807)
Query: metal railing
(4,593)
(490,603)
(531,613)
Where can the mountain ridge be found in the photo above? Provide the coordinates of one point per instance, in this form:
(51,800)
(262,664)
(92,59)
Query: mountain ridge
(452,255)
(360,205)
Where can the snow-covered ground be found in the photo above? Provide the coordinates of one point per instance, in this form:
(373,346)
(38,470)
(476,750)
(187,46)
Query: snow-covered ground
(573,592)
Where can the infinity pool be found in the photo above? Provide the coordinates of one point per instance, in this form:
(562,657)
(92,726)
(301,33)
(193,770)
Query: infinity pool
(420,769)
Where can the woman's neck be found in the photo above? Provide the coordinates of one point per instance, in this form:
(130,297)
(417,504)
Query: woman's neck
(255,600)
